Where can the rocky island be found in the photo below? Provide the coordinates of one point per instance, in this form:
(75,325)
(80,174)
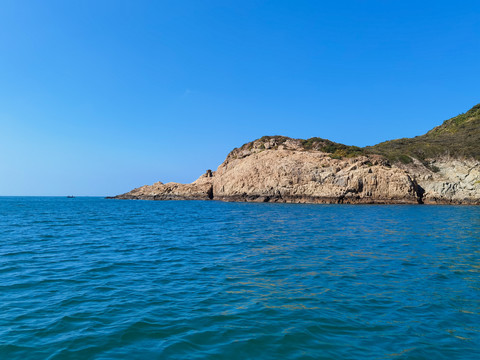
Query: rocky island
(439,167)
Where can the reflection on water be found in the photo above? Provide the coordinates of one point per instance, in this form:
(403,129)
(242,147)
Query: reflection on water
(102,279)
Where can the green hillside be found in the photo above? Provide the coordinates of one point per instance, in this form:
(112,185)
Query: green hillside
(458,136)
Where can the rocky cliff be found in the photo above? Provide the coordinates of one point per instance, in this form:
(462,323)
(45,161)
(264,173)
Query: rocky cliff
(281,169)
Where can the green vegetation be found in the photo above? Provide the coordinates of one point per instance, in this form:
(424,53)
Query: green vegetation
(336,150)
(278,139)
(459,136)
(405,159)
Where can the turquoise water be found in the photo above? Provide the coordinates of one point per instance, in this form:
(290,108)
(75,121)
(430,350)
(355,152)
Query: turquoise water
(89,278)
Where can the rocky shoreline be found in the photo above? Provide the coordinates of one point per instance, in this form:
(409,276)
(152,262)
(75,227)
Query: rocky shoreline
(439,167)
(279,169)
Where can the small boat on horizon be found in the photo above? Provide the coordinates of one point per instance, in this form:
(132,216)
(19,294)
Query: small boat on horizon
(70,197)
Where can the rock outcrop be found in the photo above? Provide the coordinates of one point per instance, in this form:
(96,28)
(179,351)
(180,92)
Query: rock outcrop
(202,189)
(312,177)
(440,167)
(276,170)
(447,180)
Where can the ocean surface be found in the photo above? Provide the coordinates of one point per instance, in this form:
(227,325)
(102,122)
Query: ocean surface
(90,278)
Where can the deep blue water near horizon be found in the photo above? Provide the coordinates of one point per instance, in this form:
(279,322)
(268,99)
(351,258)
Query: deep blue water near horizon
(90,278)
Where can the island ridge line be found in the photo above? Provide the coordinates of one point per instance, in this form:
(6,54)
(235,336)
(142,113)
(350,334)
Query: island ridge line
(440,167)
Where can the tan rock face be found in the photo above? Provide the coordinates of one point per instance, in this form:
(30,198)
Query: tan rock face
(292,176)
(279,169)
(301,176)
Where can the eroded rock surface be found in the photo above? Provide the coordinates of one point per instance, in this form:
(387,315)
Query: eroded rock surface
(268,171)
(447,180)
(438,167)
(313,177)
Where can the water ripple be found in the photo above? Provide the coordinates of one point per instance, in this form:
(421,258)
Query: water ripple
(97,279)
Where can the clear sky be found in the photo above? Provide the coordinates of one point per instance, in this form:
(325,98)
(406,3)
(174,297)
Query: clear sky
(98,97)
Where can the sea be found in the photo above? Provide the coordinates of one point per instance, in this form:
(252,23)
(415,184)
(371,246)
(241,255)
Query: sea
(92,278)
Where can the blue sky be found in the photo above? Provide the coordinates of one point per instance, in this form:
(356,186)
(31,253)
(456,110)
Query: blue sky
(98,97)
